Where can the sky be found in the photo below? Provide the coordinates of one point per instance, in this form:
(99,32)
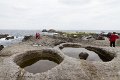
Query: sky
(60,14)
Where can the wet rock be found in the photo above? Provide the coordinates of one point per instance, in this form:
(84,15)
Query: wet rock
(3,35)
(103,54)
(61,47)
(26,38)
(1,47)
(9,37)
(44,30)
(51,30)
(83,55)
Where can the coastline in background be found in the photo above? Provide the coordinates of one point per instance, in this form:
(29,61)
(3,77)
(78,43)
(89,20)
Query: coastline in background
(19,34)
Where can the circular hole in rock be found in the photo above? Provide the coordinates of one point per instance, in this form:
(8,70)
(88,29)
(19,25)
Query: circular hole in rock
(103,54)
(88,53)
(38,61)
(81,53)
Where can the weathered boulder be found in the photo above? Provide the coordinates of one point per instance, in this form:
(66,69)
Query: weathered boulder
(26,38)
(44,30)
(51,30)
(3,35)
(1,47)
(9,37)
(100,38)
(83,55)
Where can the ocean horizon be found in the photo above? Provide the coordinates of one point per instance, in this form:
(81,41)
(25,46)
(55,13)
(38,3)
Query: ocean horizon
(20,33)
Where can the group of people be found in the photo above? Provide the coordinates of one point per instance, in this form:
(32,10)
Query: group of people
(112,38)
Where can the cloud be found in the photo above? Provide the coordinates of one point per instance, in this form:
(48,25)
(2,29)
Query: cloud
(74,2)
(59,14)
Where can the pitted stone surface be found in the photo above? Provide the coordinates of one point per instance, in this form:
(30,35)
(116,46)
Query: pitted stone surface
(68,69)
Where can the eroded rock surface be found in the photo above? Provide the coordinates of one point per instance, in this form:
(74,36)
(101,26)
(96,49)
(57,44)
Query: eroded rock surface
(69,68)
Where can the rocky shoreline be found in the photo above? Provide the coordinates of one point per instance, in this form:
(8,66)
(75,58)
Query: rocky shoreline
(68,68)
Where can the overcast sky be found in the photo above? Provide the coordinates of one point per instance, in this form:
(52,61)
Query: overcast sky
(60,14)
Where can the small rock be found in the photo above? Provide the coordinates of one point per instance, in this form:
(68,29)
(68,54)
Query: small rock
(83,55)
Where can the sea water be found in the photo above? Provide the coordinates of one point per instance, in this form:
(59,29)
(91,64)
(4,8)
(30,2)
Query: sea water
(19,34)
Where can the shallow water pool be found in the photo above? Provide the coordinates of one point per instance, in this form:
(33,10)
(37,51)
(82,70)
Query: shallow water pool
(40,66)
(74,52)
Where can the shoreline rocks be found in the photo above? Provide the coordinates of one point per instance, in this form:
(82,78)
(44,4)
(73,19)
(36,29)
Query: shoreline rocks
(3,35)
(1,47)
(26,38)
(9,37)
(69,69)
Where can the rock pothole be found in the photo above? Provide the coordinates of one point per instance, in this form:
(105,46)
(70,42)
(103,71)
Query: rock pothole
(103,54)
(79,52)
(37,61)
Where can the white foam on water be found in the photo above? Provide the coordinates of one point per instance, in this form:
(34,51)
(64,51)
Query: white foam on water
(5,42)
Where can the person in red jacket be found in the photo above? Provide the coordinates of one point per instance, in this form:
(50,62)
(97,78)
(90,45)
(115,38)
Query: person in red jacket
(112,39)
(37,36)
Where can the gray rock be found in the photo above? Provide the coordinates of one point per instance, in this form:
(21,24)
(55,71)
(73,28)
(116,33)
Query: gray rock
(3,35)
(44,30)
(9,37)
(69,69)
(27,38)
(1,47)
(51,30)
(83,55)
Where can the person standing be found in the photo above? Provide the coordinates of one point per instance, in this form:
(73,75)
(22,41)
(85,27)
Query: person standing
(112,38)
(38,37)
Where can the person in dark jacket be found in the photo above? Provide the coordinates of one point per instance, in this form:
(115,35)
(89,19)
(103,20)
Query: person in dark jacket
(112,38)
